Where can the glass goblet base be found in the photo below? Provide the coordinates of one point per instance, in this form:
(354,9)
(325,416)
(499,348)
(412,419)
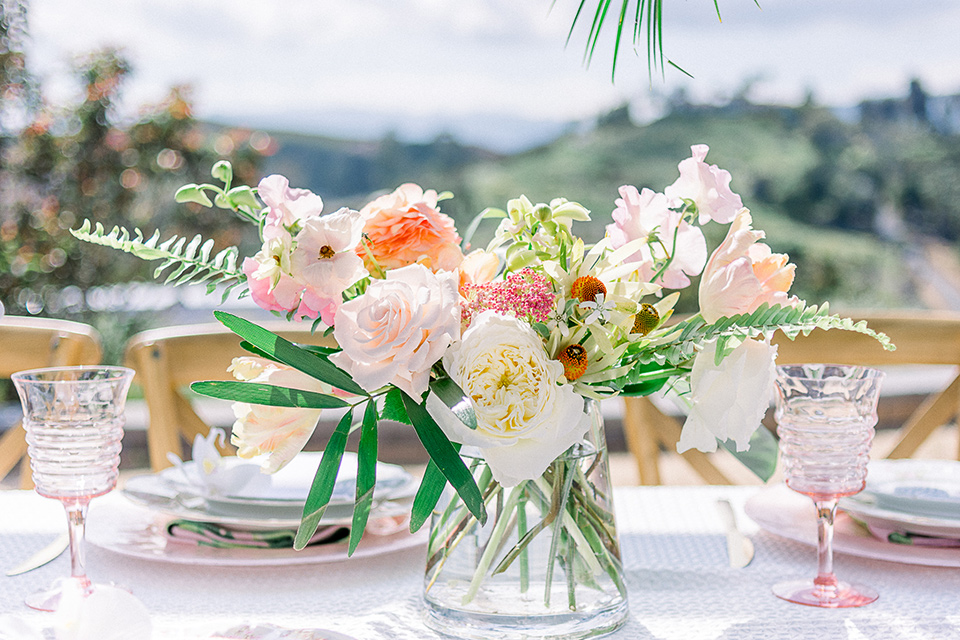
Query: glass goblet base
(838,595)
(64,589)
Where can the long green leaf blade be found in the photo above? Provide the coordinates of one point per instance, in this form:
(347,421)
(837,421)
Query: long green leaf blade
(267,394)
(366,475)
(446,457)
(322,487)
(431,488)
(761,457)
(289,353)
(453,396)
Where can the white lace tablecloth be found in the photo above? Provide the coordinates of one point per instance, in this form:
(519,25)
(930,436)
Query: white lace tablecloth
(680,585)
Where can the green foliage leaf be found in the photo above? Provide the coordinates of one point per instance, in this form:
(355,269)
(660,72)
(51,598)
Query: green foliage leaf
(192,193)
(366,475)
(431,488)
(192,261)
(761,457)
(223,171)
(446,457)
(290,354)
(322,488)
(266,394)
(393,408)
(242,196)
(453,396)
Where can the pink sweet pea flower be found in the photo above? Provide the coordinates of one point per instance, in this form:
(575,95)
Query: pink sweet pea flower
(708,186)
(743,273)
(269,279)
(406,227)
(325,262)
(286,206)
(646,213)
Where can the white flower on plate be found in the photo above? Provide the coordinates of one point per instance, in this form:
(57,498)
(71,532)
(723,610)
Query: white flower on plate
(208,473)
(729,399)
(526,413)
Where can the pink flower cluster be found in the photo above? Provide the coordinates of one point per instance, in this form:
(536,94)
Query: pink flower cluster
(525,294)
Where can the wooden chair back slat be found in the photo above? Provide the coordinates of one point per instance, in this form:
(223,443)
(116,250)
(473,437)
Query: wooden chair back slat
(922,338)
(31,343)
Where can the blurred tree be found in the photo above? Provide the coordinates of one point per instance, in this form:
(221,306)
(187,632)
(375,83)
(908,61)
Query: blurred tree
(82,161)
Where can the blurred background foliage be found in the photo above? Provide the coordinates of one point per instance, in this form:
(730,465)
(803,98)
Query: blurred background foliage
(857,198)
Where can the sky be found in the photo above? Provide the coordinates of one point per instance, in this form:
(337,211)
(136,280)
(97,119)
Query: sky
(417,66)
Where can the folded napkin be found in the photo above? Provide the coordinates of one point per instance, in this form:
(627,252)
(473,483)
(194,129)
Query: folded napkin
(208,534)
(915,539)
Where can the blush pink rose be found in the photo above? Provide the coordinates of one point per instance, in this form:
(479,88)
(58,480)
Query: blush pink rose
(708,186)
(645,214)
(405,227)
(399,327)
(743,273)
(286,206)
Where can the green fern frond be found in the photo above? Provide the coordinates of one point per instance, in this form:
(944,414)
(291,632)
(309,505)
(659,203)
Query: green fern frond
(684,340)
(191,261)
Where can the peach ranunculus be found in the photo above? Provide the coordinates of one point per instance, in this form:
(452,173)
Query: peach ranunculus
(406,227)
(398,328)
(645,214)
(286,206)
(707,185)
(478,267)
(280,432)
(743,273)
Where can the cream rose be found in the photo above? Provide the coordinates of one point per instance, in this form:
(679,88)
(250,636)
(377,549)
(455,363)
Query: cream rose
(729,399)
(526,414)
(398,328)
(280,432)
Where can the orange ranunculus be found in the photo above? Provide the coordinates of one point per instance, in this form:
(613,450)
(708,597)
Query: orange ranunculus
(405,227)
(743,273)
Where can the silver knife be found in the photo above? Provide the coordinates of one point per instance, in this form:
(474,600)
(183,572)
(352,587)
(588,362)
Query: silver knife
(739,547)
(49,553)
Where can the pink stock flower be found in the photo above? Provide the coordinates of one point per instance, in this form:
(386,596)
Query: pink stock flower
(286,206)
(405,227)
(743,273)
(647,215)
(325,262)
(708,186)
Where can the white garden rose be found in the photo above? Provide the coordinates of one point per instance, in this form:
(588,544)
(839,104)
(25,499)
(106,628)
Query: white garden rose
(280,432)
(729,400)
(398,328)
(526,414)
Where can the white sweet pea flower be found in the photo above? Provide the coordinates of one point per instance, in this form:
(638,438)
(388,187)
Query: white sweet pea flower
(280,432)
(526,414)
(729,399)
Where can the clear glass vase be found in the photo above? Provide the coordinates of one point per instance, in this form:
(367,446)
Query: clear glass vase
(547,562)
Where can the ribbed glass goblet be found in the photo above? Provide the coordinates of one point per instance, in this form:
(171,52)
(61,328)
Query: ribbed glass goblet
(74,422)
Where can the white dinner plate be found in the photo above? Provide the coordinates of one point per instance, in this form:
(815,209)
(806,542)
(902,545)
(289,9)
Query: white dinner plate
(862,507)
(917,487)
(791,515)
(274,499)
(119,526)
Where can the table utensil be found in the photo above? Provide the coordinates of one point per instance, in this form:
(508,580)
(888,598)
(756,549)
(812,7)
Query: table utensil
(45,555)
(739,547)
(825,415)
(73,417)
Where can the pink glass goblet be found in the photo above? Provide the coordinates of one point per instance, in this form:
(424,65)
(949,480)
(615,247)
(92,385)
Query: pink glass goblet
(74,422)
(825,419)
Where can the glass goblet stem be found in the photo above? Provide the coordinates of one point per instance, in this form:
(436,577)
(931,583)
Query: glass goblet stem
(76,522)
(826,512)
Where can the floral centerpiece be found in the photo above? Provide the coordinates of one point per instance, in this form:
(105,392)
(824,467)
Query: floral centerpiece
(496,357)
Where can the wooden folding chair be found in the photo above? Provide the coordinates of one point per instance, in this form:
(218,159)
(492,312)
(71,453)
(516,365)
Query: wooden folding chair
(30,343)
(922,338)
(167,360)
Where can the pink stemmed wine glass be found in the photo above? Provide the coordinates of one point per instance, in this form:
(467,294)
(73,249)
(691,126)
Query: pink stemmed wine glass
(74,422)
(825,419)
